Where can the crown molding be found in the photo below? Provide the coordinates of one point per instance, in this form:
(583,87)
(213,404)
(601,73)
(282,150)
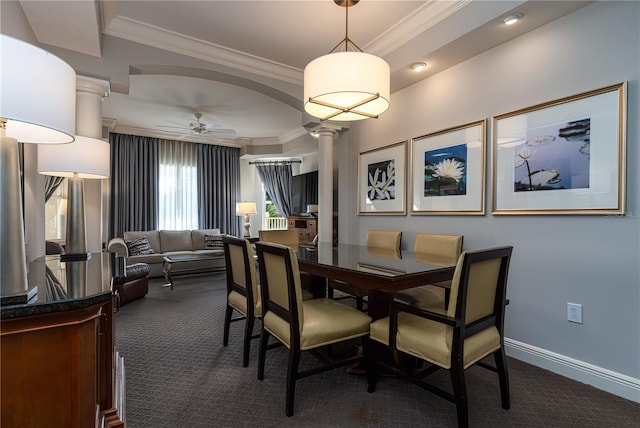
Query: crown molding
(140,32)
(423,18)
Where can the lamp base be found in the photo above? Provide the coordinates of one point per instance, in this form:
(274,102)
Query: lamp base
(247,226)
(21,298)
(13,260)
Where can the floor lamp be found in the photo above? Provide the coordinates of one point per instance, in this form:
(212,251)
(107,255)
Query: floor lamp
(246,209)
(37,105)
(84,158)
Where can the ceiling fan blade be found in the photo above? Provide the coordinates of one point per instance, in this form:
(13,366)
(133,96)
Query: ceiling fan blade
(222,131)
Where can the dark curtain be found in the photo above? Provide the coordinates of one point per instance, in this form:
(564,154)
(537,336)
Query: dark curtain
(51,183)
(218,187)
(276,179)
(134,184)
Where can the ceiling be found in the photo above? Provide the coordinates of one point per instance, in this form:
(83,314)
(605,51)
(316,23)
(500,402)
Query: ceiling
(240,63)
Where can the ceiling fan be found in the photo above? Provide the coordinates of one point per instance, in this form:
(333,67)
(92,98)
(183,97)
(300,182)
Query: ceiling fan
(199,128)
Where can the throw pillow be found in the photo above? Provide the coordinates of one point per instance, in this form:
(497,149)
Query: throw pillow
(139,246)
(213,242)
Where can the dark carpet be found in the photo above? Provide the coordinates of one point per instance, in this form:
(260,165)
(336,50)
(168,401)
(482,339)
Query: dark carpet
(178,374)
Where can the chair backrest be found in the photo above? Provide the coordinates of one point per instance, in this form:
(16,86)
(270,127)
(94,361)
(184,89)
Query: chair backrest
(241,269)
(288,237)
(431,244)
(281,291)
(386,239)
(479,289)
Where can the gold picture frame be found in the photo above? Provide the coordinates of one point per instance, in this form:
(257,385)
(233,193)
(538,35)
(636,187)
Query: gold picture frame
(449,171)
(566,156)
(382,180)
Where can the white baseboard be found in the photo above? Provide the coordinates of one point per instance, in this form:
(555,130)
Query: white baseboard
(607,380)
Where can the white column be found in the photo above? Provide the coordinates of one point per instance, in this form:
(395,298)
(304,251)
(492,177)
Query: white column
(325,184)
(89,95)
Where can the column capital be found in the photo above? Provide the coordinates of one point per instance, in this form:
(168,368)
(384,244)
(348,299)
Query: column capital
(91,85)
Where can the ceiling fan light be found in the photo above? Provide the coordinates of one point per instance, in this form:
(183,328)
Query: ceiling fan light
(344,80)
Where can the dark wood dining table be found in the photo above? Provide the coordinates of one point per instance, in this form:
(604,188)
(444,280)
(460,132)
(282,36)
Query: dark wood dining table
(381,272)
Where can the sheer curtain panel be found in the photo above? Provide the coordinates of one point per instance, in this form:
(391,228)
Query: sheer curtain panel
(177,184)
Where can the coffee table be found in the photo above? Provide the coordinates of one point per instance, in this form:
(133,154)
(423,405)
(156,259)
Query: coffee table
(177,259)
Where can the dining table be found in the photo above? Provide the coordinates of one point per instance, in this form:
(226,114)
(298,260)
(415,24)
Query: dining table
(379,271)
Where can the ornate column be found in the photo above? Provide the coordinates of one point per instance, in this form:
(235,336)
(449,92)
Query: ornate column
(89,95)
(325,183)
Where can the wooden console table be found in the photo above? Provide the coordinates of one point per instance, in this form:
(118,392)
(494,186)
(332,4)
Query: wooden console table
(59,363)
(307,228)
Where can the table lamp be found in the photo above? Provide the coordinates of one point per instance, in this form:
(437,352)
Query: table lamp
(246,209)
(84,158)
(37,105)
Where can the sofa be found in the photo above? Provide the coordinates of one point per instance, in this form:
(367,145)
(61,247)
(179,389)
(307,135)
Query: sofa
(152,246)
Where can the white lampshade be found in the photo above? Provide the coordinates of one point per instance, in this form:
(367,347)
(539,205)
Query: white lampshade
(38,94)
(246,208)
(86,157)
(345,79)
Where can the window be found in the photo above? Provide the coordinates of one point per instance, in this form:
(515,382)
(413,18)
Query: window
(178,198)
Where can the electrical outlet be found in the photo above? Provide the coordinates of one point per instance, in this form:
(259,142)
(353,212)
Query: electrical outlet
(574,313)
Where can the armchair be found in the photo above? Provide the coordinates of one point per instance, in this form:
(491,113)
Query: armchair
(468,330)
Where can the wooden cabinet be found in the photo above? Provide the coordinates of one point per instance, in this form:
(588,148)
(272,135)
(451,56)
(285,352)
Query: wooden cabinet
(307,228)
(59,366)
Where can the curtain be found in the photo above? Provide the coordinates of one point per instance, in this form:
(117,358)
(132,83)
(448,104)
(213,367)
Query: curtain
(218,187)
(51,183)
(134,184)
(276,179)
(177,183)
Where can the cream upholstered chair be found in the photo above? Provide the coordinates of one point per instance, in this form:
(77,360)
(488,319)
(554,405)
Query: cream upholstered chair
(466,331)
(376,240)
(435,249)
(298,324)
(288,237)
(243,294)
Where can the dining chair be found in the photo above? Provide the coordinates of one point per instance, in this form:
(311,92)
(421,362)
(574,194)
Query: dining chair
(434,249)
(300,325)
(290,238)
(469,329)
(376,240)
(243,292)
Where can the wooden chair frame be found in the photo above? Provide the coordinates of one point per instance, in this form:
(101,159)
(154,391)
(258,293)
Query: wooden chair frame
(291,316)
(247,292)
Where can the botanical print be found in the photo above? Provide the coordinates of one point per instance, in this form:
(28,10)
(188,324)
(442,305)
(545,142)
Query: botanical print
(445,171)
(381,181)
(554,157)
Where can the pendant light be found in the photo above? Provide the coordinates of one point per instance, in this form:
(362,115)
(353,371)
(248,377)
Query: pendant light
(346,85)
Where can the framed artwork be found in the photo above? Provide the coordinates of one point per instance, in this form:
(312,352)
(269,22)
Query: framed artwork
(382,180)
(562,157)
(448,171)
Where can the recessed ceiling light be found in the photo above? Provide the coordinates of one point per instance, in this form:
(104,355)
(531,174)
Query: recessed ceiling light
(512,19)
(418,66)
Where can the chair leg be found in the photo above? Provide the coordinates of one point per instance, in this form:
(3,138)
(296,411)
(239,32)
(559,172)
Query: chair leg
(264,340)
(359,303)
(248,332)
(227,323)
(460,393)
(292,374)
(503,375)
(370,358)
